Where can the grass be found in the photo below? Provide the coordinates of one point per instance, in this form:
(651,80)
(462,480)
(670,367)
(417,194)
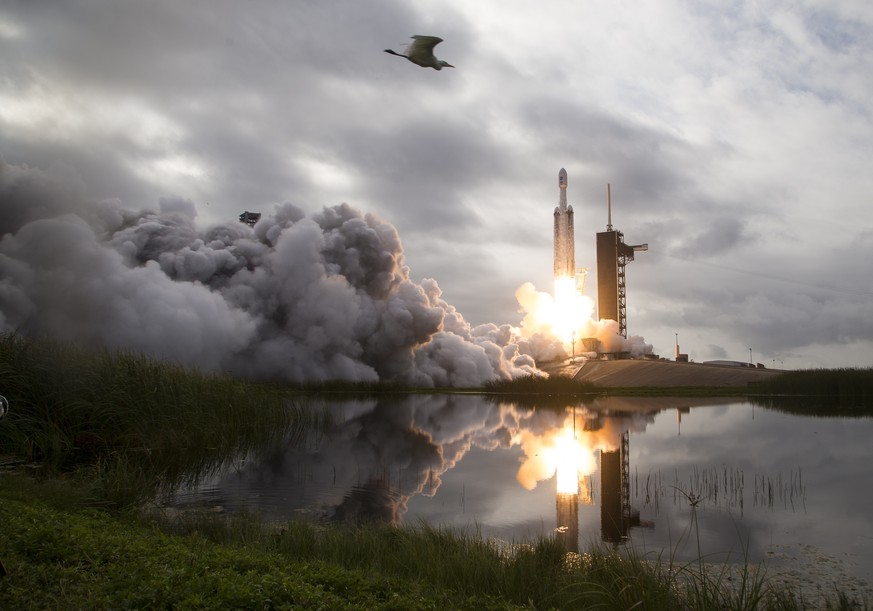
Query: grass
(108,428)
(845,383)
(126,423)
(846,393)
(87,559)
(537,392)
(723,487)
(59,554)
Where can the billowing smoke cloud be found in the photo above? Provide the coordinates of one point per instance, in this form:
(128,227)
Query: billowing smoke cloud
(296,298)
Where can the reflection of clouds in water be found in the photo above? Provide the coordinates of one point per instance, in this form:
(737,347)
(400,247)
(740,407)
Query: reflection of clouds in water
(382,452)
(446,442)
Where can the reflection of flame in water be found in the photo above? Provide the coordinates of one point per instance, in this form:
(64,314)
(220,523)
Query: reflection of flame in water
(572,460)
(566,452)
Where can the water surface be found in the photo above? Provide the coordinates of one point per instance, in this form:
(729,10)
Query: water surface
(671,477)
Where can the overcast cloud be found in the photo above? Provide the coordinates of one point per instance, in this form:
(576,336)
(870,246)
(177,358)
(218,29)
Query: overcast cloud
(737,137)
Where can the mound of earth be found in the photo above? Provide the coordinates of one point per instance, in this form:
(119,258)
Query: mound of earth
(630,373)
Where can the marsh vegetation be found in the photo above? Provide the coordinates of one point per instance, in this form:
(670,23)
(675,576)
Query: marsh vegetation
(105,430)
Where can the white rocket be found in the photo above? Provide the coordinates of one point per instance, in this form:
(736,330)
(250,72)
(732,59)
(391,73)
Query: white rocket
(565,258)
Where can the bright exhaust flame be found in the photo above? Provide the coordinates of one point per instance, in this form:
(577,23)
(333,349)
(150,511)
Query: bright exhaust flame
(566,316)
(566,319)
(571,311)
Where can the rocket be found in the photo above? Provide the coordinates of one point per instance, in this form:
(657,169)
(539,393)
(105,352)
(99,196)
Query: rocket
(565,258)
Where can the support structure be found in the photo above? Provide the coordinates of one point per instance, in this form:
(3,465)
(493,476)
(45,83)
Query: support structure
(613,255)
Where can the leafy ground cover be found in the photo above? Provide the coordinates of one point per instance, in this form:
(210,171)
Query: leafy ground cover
(88,559)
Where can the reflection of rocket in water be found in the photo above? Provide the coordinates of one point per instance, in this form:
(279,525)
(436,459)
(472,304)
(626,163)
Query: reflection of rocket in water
(567,532)
(567,506)
(573,488)
(565,257)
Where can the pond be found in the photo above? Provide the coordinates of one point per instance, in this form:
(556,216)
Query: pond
(683,478)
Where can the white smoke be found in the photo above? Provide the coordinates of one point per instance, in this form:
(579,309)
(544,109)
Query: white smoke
(297,298)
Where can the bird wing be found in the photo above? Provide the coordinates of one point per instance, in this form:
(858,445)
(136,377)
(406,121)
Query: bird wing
(423,44)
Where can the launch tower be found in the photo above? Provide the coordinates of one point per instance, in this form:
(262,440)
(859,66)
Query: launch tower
(612,257)
(565,257)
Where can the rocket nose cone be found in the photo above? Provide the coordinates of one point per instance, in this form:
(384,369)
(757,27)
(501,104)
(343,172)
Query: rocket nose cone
(562,178)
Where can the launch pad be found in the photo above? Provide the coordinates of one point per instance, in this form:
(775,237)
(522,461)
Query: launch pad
(613,255)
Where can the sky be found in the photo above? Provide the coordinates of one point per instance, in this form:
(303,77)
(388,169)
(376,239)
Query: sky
(737,140)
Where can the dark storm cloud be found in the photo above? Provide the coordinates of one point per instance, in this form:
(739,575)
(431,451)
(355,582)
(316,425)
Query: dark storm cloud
(733,135)
(165,42)
(639,160)
(717,236)
(423,171)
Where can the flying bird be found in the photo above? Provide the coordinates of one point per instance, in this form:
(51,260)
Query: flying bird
(420,52)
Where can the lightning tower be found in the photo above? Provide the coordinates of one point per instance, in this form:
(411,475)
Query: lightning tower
(565,257)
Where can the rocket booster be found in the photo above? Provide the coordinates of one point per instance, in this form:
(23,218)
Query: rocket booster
(565,258)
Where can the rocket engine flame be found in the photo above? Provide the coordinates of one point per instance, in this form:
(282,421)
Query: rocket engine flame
(567,318)
(572,311)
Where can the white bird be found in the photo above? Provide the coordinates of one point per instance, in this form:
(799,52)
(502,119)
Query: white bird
(420,52)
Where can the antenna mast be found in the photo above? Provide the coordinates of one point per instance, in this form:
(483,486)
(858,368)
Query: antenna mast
(608,207)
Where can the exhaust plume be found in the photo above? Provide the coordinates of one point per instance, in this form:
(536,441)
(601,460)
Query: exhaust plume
(297,297)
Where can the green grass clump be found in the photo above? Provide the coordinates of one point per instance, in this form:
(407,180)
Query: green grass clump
(818,392)
(88,560)
(535,392)
(846,383)
(131,421)
(541,575)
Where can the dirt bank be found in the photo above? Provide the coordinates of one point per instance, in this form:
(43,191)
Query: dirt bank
(630,373)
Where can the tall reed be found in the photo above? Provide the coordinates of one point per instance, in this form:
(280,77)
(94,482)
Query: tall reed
(845,386)
(129,418)
(541,574)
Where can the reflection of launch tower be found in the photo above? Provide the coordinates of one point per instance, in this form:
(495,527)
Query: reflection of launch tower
(612,256)
(565,258)
(614,503)
(616,514)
